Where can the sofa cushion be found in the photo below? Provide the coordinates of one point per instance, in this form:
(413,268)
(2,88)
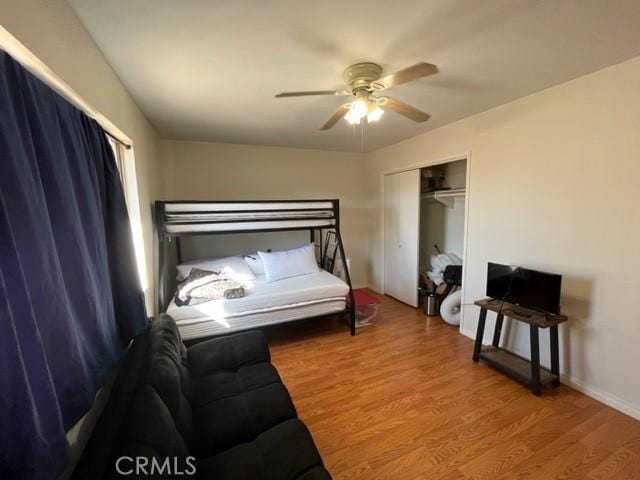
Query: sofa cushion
(237,393)
(168,374)
(234,419)
(228,383)
(284,452)
(228,353)
(151,429)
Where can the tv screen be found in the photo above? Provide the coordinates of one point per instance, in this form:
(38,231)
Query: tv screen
(521,286)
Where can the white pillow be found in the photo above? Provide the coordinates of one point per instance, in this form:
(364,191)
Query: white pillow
(234,267)
(255,263)
(290,263)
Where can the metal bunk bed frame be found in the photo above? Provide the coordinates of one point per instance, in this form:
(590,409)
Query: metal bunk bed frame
(178,218)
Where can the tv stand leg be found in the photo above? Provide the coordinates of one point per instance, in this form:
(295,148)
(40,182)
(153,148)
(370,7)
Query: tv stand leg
(535,359)
(498,330)
(555,354)
(479,334)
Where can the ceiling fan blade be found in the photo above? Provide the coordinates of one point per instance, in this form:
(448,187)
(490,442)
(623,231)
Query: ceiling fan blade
(312,93)
(335,117)
(406,110)
(409,74)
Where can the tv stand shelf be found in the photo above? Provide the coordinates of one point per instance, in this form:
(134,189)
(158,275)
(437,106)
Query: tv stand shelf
(514,365)
(526,371)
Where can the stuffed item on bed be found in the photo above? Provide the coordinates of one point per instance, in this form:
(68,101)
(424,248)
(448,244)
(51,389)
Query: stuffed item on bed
(201,286)
(233,267)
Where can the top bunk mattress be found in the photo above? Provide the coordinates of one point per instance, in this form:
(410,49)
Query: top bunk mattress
(263,297)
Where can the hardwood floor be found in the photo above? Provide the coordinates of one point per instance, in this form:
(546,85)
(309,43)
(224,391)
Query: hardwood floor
(403,400)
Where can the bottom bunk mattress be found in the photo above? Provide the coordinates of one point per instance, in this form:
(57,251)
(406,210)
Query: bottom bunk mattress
(264,304)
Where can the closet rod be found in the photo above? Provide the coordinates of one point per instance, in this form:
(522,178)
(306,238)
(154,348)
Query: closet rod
(28,60)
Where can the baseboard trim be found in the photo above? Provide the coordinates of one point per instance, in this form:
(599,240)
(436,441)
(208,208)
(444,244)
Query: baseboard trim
(604,397)
(590,391)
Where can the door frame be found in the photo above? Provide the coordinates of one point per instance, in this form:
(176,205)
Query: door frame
(430,163)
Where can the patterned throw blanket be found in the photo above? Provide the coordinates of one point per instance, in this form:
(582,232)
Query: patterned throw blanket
(202,285)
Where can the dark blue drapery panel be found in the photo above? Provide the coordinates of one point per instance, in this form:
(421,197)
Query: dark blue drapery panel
(70,298)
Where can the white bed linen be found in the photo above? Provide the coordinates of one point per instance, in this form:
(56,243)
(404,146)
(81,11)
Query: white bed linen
(265,303)
(204,327)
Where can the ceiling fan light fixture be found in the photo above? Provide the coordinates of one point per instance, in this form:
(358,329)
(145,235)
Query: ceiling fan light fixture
(359,108)
(357,111)
(374,114)
(352,119)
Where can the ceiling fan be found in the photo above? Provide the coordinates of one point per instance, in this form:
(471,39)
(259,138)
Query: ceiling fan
(365,80)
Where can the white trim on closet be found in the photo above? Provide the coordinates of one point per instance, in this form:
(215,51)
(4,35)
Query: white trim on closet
(429,163)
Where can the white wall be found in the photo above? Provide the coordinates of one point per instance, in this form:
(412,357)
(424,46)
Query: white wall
(53,32)
(218,171)
(553,185)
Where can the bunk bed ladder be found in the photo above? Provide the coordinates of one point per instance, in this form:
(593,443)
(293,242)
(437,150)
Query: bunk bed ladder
(345,268)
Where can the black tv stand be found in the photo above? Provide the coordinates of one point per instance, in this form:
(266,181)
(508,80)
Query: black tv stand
(526,371)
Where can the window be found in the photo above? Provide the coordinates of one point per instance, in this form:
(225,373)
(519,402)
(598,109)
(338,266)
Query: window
(127,167)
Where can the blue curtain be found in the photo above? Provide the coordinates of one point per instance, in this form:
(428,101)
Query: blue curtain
(70,298)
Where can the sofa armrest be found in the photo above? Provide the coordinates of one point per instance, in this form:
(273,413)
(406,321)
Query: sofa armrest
(228,353)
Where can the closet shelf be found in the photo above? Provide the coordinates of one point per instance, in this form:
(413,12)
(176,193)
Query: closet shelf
(446,197)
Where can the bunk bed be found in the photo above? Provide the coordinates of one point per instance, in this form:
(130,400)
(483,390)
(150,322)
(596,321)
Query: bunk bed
(318,295)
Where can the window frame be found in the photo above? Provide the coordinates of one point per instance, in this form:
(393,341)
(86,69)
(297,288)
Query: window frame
(125,162)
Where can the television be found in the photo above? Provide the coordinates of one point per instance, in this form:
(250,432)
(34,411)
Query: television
(527,288)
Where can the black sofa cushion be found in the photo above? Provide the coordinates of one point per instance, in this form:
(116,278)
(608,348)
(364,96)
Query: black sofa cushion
(216,385)
(240,418)
(228,353)
(168,374)
(284,452)
(238,394)
(151,430)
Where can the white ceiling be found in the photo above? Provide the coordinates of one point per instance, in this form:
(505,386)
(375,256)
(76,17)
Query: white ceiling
(208,70)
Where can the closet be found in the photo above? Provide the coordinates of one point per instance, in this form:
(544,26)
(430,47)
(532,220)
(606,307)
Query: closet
(424,215)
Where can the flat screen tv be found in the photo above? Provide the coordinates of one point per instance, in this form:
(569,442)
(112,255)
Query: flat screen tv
(524,287)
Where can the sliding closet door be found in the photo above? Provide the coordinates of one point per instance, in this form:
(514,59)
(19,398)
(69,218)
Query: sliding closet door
(401,232)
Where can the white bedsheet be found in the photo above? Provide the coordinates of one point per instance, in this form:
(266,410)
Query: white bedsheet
(262,297)
(205,327)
